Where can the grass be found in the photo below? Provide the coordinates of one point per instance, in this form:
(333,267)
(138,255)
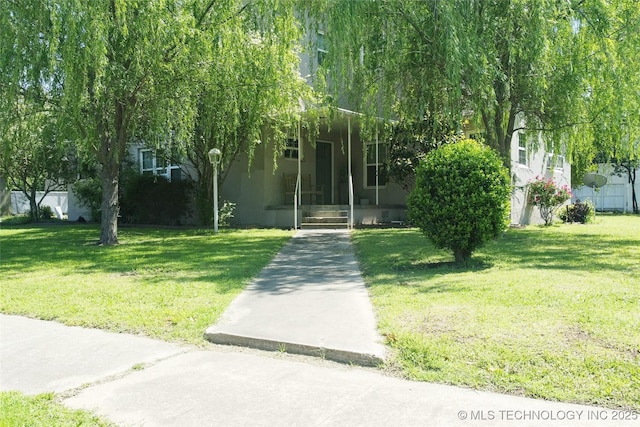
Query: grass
(42,411)
(167,284)
(551,312)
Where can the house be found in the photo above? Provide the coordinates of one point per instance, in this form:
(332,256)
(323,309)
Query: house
(342,181)
(337,178)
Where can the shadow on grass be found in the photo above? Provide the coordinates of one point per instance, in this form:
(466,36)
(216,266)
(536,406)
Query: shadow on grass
(576,248)
(545,250)
(157,254)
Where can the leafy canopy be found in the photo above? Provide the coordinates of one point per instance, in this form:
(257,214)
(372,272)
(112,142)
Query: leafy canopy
(568,69)
(122,71)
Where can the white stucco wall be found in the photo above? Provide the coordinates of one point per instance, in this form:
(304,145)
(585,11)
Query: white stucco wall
(538,164)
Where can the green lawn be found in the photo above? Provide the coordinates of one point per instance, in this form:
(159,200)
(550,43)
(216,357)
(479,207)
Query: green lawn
(543,312)
(167,284)
(43,411)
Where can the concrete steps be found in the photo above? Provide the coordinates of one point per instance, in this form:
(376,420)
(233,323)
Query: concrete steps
(325,217)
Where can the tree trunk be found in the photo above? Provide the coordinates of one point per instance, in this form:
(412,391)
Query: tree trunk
(461,256)
(34,212)
(112,150)
(110,208)
(634,199)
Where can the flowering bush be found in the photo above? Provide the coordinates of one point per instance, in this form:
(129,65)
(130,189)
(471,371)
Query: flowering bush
(546,194)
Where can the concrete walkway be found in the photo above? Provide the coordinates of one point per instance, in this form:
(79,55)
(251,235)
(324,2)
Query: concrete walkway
(311,300)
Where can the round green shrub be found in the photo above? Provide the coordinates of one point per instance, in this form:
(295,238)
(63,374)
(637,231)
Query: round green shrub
(461,198)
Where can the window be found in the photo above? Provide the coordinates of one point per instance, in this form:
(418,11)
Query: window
(291,150)
(374,165)
(556,161)
(151,164)
(322,50)
(522,149)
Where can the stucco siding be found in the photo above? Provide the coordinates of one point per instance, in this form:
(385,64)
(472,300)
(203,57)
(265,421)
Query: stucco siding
(538,163)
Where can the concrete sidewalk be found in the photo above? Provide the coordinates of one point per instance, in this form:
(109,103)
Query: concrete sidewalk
(311,300)
(228,386)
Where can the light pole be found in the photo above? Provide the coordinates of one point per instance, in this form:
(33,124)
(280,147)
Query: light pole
(214,154)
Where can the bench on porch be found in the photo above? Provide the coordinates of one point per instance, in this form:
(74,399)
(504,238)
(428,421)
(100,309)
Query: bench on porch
(315,193)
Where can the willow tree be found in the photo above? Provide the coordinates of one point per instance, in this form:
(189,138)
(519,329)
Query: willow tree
(32,156)
(133,71)
(503,64)
(610,38)
(250,95)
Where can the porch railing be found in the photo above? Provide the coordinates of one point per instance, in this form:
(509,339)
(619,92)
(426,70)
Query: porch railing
(295,203)
(350,201)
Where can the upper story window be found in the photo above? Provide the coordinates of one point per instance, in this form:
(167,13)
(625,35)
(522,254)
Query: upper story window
(292,149)
(375,157)
(152,164)
(322,48)
(556,161)
(523,155)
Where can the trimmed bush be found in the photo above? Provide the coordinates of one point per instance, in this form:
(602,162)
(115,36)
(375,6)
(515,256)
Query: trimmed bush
(461,198)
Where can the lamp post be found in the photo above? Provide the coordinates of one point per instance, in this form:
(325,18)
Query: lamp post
(214,154)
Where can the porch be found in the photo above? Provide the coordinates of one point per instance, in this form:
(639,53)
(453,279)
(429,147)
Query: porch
(333,216)
(335,178)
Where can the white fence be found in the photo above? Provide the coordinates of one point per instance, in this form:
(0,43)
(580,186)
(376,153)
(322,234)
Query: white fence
(20,203)
(615,195)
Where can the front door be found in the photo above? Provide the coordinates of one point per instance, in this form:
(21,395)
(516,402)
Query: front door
(324,171)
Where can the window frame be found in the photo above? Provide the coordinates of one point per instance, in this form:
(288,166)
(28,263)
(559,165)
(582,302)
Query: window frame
(321,51)
(554,159)
(292,149)
(378,162)
(157,167)
(523,149)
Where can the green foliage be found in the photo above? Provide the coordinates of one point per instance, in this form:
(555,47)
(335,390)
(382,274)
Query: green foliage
(89,194)
(43,411)
(46,213)
(568,69)
(611,107)
(547,196)
(582,212)
(461,198)
(33,158)
(152,199)
(225,214)
(408,143)
(120,71)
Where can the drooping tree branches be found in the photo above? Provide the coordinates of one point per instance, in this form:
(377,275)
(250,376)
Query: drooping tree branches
(140,72)
(568,69)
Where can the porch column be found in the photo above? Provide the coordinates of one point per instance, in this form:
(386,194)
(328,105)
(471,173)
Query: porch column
(298,182)
(377,167)
(350,174)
